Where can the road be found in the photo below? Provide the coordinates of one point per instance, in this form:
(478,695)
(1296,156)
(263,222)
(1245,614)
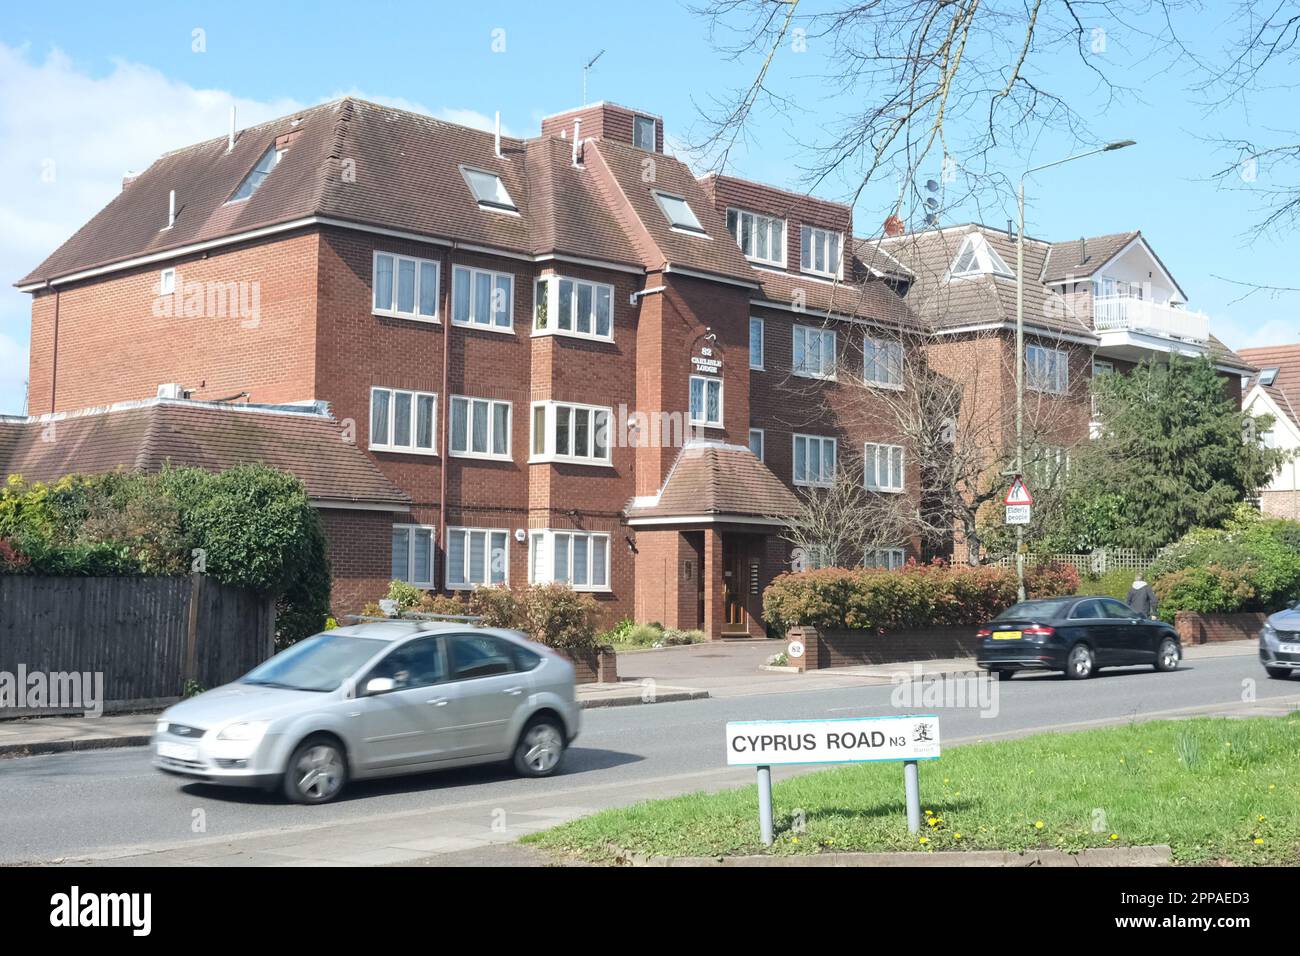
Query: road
(111,806)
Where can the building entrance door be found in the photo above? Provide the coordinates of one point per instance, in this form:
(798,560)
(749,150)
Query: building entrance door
(735,580)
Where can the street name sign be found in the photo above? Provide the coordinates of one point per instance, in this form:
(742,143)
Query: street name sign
(762,743)
(753,743)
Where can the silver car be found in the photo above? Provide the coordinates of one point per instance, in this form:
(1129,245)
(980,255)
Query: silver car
(376,700)
(1279,642)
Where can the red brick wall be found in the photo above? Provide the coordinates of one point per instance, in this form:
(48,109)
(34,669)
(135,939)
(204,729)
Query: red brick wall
(602,121)
(360,553)
(1196,628)
(112,347)
(797,210)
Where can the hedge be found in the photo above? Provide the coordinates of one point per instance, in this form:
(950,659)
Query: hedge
(250,527)
(916,595)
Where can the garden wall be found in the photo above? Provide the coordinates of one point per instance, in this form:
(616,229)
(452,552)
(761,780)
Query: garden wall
(1196,628)
(843,648)
(592,666)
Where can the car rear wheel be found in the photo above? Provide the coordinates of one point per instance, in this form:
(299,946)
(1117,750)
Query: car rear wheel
(1080,664)
(317,771)
(1278,673)
(1167,657)
(540,748)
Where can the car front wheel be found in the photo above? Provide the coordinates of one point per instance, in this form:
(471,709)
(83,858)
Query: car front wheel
(1080,664)
(540,748)
(1167,657)
(317,771)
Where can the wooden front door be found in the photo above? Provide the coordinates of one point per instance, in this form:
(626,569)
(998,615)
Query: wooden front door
(735,583)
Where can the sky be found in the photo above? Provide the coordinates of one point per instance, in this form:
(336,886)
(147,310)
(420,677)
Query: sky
(89,91)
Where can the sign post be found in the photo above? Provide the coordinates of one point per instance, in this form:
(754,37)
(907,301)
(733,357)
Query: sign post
(764,743)
(765,804)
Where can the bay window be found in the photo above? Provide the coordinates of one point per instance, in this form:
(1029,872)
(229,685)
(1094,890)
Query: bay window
(565,306)
(571,433)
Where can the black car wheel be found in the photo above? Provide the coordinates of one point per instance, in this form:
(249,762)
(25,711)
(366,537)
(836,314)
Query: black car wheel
(1080,664)
(1278,673)
(1167,657)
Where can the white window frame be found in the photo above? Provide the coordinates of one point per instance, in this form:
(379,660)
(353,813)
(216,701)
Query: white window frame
(1049,465)
(552,285)
(470,322)
(706,380)
(637,123)
(689,227)
(805,331)
(465,584)
(758,220)
(761,454)
(491,403)
(167,281)
(410,552)
(541,557)
(888,559)
(394,312)
(762,343)
(872,458)
(387,444)
(506,206)
(1061,381)
(821,236)
(872,345)
(819,440)
(549,454)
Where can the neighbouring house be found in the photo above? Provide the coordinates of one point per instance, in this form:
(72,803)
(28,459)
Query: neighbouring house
(575,360)
(1275,391)
(357,504)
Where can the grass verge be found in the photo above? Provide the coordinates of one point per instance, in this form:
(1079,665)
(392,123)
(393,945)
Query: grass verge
(1215,790)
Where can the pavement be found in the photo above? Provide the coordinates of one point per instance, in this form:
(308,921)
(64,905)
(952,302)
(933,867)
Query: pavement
(110,807)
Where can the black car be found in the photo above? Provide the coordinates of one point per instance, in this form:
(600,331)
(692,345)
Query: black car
(1078,635)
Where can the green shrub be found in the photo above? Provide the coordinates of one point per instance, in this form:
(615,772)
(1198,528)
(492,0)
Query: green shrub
(497,607)
(407,596)
(618,633)
(1210,590)
(643,635)
(916,595)
(672,637)
(451,605)
(558,616)
(1114,584)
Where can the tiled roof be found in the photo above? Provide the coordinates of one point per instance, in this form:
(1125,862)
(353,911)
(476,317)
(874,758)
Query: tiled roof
(1080,258)
(143,436)
(716,479)
(1285,390)
(872,299)
(358,162)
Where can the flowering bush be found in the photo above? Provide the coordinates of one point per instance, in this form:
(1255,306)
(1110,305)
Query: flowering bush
(916,595)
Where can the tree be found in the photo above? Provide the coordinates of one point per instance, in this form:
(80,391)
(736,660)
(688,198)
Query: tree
(1174,452)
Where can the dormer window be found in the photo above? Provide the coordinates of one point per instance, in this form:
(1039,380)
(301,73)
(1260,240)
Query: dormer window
(821,252)
(679,213)
(268,161)
(761,238)
(643,133)
(488,190)
(977,257)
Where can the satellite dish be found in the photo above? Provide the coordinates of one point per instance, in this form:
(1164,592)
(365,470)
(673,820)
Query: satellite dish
(931,203)
(931,219)
(931,185)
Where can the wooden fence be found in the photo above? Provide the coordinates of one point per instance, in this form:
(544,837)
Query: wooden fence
(147,636)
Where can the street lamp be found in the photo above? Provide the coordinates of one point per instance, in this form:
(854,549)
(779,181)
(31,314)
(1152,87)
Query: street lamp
(1020,337)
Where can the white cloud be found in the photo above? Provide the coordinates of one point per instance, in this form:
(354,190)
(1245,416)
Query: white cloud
(67,135)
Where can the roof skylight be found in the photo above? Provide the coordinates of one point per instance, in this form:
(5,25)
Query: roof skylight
(488,189)
(261,169)
(977,257)
(679,213)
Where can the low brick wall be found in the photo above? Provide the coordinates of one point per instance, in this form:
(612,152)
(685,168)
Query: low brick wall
(843,648)
(1196,628)
(596,666)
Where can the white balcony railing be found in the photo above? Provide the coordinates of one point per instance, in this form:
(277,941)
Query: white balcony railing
(1122,313)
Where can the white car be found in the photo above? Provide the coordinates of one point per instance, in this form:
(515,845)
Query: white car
(377,700)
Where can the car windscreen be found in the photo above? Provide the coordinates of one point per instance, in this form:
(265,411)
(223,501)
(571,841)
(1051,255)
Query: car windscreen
(318,663)
(1033,610)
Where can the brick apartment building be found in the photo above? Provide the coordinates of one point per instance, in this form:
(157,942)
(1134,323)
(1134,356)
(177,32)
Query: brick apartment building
(573,359)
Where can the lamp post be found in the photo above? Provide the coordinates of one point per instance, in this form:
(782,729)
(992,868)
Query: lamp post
(1020,337)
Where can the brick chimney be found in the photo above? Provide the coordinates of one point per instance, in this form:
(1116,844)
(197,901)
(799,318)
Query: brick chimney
(612,122)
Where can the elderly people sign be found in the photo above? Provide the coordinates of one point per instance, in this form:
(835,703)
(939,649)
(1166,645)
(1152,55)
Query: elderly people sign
(763,743)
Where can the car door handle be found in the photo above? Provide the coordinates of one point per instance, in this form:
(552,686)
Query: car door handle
(437,701)
(513,690)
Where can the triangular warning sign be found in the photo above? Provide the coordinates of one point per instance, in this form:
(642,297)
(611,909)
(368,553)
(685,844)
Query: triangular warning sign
(1018,494)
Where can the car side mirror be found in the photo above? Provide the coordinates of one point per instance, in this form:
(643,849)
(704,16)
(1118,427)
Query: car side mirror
(379,685)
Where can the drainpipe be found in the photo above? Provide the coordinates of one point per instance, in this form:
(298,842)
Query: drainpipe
(444,437)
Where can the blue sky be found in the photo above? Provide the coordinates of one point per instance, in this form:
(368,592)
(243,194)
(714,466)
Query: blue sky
(89,91)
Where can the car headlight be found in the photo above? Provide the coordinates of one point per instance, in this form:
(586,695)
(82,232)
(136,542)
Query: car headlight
(160,727)
(1268,632)
(243,730)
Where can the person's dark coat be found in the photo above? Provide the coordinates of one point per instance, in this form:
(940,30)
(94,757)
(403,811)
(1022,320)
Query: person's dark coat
(1143,600)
